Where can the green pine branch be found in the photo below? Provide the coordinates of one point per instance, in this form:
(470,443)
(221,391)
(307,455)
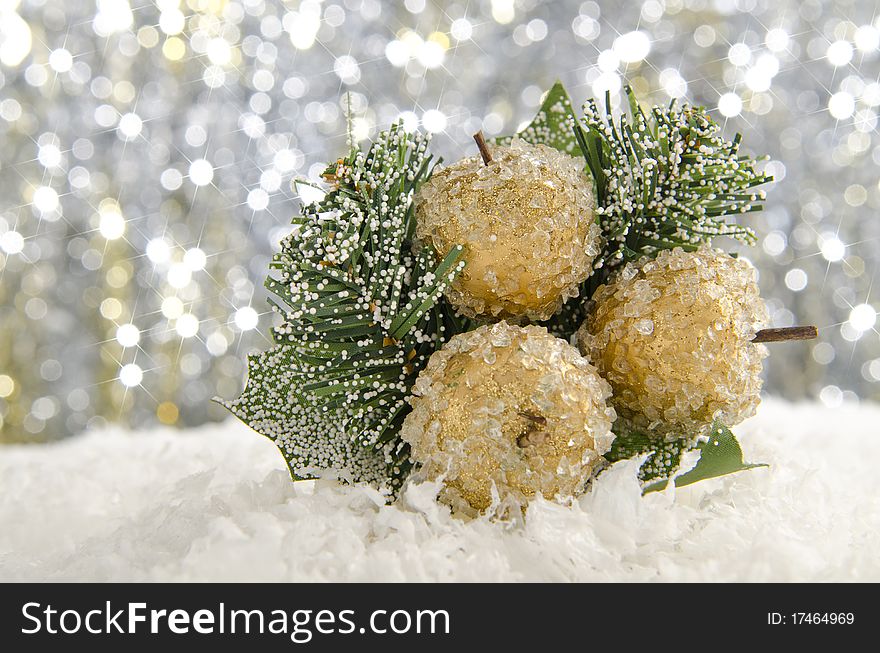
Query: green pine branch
(665,179)
(361,315)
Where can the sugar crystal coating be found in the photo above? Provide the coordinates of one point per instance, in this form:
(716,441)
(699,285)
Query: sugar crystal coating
(527,224)
(508,411)
(673,337)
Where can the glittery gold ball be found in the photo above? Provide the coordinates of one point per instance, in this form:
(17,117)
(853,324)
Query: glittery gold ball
(526,222)
(673,337)
(507,411)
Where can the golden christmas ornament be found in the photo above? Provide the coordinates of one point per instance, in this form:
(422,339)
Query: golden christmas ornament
(526,222)
(673,336)
(507,411)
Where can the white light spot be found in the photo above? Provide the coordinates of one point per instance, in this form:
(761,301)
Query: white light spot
(171,179)
(195,135)
(831,396)
(347,69)
(774,243)
(759,76)
(158,251)
(776,40)
(632,46)
(49,156)
(128,335)
(60,60)
(270,180)
(45,199)
(673,83)
(187,325)
(286,160)
(195,259)
(172,308)
(839,53)
(15,39)
(434,121)
(246,318)
(11,242)
(849,333)
(867,38)
(871,94)
(171,21)
(10,110)
(503,11)
(113,16)
(131,375)
(863,317)
(757,80)
(360,129)
(608,61)
(796,279)
(253,125)
(201,172)
(730,105)
(410,121)
(739,54)
(431,55)
(303,25)
(536,30)
(841,105)
(216,344)
(585,27)
(130,125)
(832,248)
(606,83)
(111,224)
(179,275)
(461,29)
(823,353)
(258,199)
(263,80)
(215,77)
(397,53)
(219,51)
(768,64)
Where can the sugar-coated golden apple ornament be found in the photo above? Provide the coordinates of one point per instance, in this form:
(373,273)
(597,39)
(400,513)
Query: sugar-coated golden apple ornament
(526,220)
(674,337)
(504,412)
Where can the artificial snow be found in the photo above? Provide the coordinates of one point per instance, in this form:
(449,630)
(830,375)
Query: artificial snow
(216,503)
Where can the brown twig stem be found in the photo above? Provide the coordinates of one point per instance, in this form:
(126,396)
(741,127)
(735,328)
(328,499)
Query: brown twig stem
(484,148)
(786,333)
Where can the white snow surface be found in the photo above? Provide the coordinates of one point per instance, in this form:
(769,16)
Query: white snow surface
(216,503)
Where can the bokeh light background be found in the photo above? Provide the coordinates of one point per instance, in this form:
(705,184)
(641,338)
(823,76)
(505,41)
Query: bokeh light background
(147,152)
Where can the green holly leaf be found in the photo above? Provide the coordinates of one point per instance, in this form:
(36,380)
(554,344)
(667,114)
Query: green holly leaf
(720,455)
(553,125)
(313,441)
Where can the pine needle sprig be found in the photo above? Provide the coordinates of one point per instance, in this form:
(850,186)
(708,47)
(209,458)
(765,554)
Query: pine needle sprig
(663,180)
(361,315)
